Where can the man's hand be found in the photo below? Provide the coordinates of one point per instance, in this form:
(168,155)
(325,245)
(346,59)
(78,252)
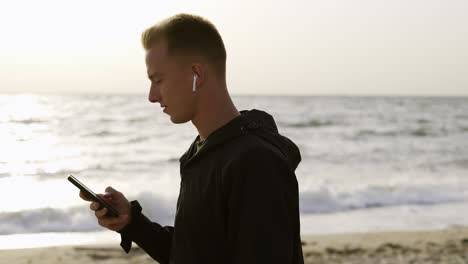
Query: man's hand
(116,199)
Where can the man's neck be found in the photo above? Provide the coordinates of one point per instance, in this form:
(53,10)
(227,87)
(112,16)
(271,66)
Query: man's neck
(211,117)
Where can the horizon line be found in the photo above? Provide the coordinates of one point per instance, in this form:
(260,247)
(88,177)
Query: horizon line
(246,94)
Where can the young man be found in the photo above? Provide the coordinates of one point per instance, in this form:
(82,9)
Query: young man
(238,200)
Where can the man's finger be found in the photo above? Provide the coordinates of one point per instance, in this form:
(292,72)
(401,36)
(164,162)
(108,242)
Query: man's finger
(100,213)
(105,196)
(118,226)
(111,221)
(110,189)
(84,196)
(112,193)
(94,206)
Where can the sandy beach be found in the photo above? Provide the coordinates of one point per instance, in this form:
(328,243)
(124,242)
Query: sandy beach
(437,246)
(441,246)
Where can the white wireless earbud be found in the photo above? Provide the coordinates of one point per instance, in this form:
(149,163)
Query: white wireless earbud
(195,77)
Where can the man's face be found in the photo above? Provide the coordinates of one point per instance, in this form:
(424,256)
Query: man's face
(171,83)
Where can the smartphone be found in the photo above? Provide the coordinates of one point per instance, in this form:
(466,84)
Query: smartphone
(111,211)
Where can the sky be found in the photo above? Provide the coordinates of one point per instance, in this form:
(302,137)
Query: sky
(328,47)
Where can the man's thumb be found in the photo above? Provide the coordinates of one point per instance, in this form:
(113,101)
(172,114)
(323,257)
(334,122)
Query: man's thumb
(109,192)
(109,189)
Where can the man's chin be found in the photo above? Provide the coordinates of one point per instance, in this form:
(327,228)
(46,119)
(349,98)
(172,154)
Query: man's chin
(176,120)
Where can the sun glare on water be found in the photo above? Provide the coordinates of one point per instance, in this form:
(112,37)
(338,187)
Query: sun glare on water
(29,148)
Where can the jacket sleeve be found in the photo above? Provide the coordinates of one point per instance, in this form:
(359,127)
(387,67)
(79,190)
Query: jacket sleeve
(151,237)
(261,213)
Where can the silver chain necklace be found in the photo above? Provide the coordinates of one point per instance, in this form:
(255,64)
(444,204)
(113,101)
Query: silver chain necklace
(199,143)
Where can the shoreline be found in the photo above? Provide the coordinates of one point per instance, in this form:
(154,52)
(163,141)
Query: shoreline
(448,245)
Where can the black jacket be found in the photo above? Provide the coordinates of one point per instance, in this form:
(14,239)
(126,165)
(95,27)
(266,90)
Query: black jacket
(238,200)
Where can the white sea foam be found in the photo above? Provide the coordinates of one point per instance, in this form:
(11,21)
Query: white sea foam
(327,201)
(79,218)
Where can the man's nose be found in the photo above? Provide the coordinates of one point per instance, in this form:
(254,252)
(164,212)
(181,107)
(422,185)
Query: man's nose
(154,95)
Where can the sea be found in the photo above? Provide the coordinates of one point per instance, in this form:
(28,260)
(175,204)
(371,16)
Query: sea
(369,163)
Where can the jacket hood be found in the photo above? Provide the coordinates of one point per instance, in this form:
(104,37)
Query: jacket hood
(254,121)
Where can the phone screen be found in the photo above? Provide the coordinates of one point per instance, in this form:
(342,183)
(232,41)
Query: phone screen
(111,211)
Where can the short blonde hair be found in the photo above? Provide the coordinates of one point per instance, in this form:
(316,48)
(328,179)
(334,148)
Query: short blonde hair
(188,34)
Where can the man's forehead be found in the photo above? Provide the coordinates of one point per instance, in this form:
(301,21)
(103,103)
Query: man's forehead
(156,53)
(153,56)
(159,48)
(154,62)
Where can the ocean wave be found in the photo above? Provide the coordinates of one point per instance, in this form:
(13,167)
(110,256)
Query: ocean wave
(173,159)
(162,210)
(106,120)
(78,219)
(461,163)
(44,175)
(418,132)
(47,220)
(326,201)
(28,121)
(366,132)
(422,132)
(423,121)
(308,123)
(137,120)
(102,133)
(138,139)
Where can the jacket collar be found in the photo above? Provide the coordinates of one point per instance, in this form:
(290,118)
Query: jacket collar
(253,121)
